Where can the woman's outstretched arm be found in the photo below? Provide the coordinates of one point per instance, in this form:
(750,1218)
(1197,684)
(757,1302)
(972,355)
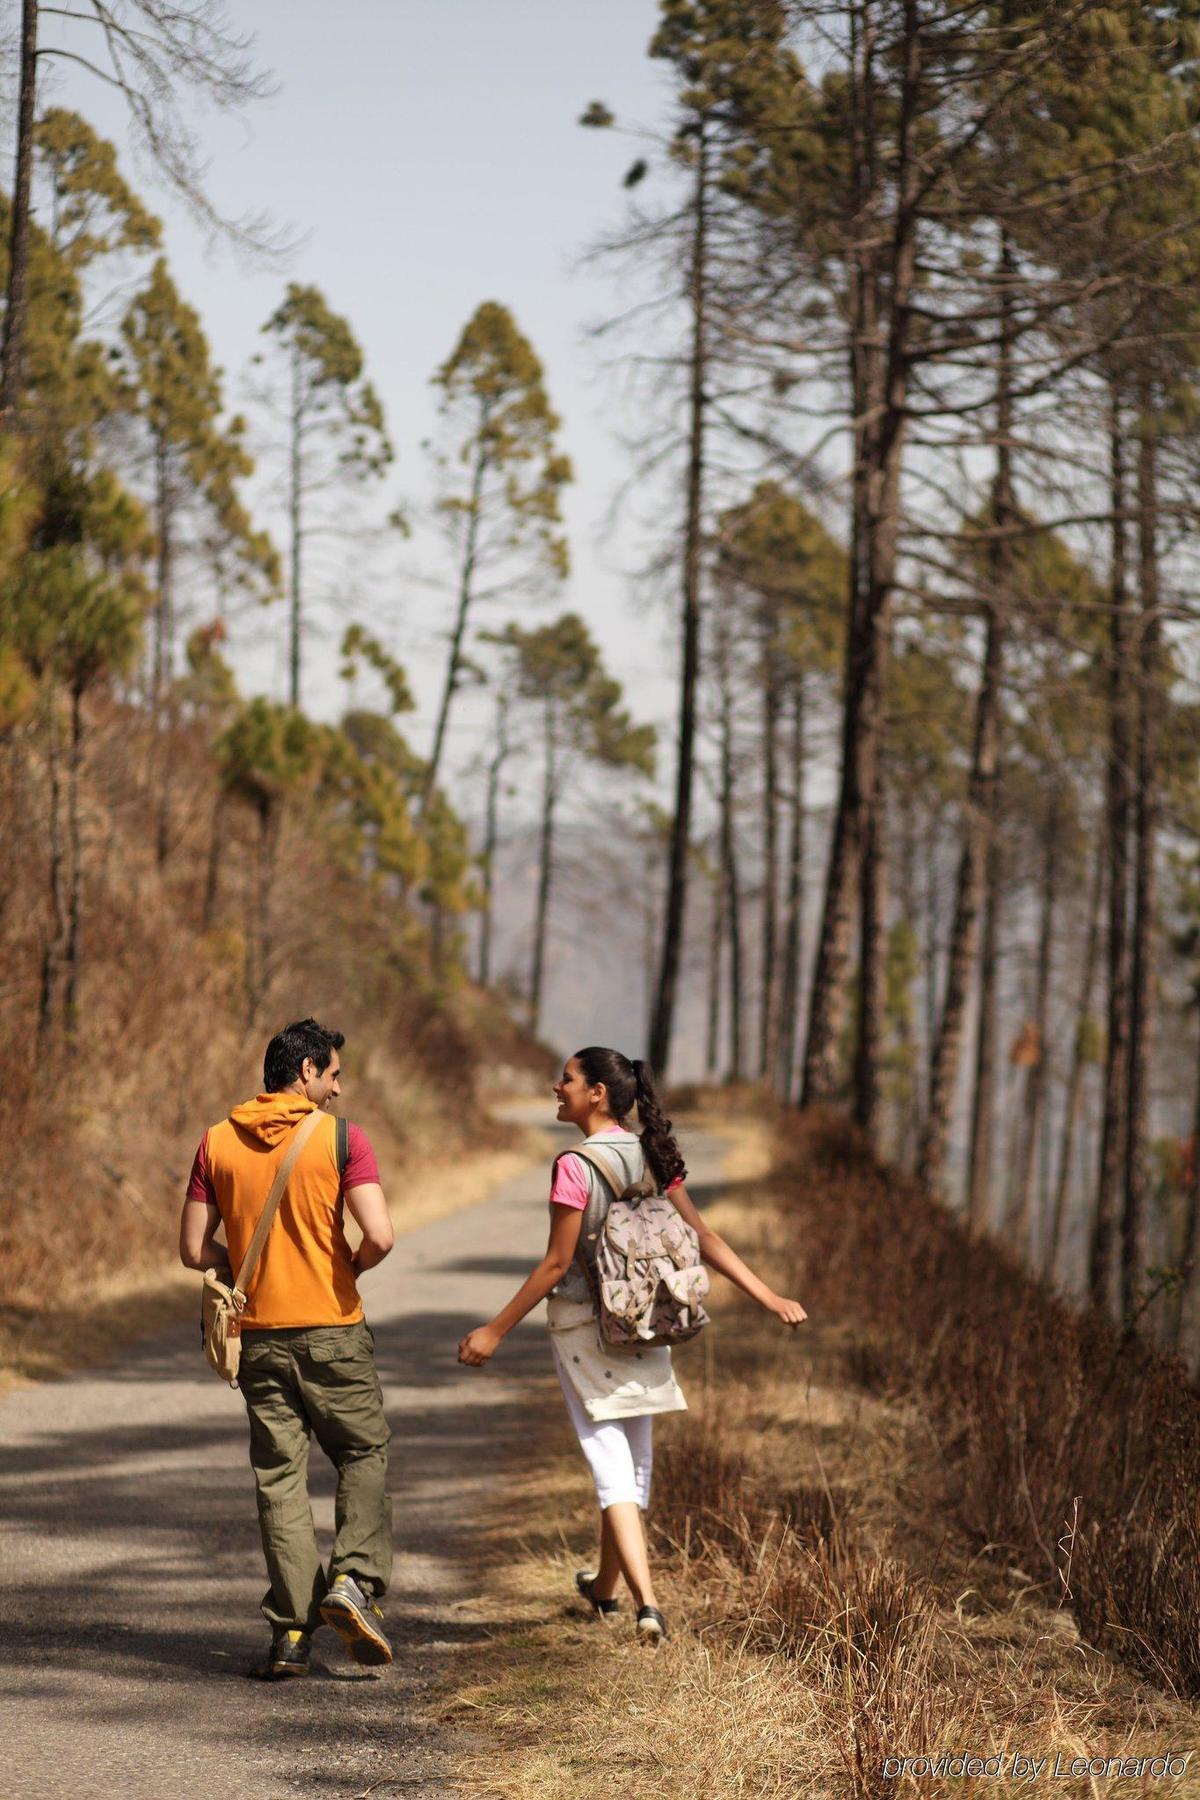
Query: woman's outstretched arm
(721,1256)
(565,1223)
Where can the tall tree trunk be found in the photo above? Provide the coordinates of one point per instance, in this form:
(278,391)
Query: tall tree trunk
(716,943)
(983,1097)
(259,936)
(770,832)
(466,594)
(49,1010)
(881,396)
(681,826)
(164,646)
(1145,897)
(979,824)
(499,757)
(545,869)
(296,524)
(793,929)
(933,838)
(872,986)
(212,868)
(1066,1161)
(1024,1234)
(12,351)
(1116,1062)
(1185,1302)
(75,878)
(731,884)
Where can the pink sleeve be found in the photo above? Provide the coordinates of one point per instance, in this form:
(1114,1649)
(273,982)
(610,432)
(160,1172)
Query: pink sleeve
(678,1182)
(199,1186)
(361,1166)
(569,1184)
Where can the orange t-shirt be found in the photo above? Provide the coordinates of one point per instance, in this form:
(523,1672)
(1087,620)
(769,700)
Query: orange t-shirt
(304,1275)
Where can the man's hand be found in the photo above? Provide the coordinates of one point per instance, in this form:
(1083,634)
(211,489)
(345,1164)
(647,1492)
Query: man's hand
(790,1311)
(477,1347)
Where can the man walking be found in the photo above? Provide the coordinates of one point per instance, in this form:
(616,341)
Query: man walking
(308,1356)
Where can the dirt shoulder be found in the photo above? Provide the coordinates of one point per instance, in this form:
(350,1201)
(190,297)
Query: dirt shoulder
(828,1614)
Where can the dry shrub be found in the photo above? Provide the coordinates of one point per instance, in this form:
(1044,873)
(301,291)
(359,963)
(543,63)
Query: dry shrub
(98,1134)
(1066,1444)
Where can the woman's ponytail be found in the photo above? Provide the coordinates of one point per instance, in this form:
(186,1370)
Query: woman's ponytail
(658,1144)
(629,1084)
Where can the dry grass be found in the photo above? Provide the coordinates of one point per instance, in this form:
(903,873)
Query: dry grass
(829,1610)
(97,1133)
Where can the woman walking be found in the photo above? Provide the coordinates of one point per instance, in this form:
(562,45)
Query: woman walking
(612,1395)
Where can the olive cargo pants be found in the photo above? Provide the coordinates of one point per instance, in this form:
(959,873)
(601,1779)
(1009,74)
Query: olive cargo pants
(322,1380)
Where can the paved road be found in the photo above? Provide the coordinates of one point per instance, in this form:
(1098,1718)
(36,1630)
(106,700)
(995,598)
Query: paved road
(131,1572)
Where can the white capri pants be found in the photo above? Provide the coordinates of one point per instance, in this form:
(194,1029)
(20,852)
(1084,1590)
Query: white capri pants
(619,1452)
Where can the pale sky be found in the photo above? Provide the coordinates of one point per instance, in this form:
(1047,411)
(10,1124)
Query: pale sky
(431,158)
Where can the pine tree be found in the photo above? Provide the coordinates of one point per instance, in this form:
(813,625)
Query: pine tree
(504,519)
(560,678)
(336,434)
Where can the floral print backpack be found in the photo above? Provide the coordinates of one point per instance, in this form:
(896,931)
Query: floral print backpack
(642,1261)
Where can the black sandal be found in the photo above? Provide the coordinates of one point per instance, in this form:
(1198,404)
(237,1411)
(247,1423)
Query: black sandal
(651,1626)
(585,1584)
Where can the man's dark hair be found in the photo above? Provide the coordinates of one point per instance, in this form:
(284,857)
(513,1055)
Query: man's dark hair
(288,1048)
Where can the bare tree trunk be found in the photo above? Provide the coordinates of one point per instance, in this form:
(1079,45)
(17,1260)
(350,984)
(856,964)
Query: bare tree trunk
(1023,1233)
(872,987)
(164,643)
(770,824)
(873,558)
(1185,1303)
(49,1010)
(1066,1164)
(75,878)
(983,1100)
(1145,914)
(259,936)
(716,943)
(499,757)
(12,351)
(545,869)
(212,870)
(932,919)
(677,874)
(979,824)
(731,884)
(296,523)
(793,939)
(1116,1064)
(466,594)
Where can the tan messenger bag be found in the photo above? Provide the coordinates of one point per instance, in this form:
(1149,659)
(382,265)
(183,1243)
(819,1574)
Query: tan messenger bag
(221,1307)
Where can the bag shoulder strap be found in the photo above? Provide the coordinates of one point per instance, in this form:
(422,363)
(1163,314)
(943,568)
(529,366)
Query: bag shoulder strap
(343,1143)
(300,1136)
(616,1179)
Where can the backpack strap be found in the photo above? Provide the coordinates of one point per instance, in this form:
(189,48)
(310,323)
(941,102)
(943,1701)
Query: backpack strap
(615,1179)
(266,1218)
(343,1143)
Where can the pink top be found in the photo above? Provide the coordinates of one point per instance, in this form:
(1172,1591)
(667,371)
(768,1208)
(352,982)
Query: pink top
(569,1186)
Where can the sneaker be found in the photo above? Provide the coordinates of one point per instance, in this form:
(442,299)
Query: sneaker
(651,1626)
(357,1621)
(585,1584)
(289,1655)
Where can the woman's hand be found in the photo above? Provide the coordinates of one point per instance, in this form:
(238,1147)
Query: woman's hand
(790,1311)
(478,1345)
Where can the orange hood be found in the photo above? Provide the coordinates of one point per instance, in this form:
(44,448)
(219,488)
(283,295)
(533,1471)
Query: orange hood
(271,1116)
